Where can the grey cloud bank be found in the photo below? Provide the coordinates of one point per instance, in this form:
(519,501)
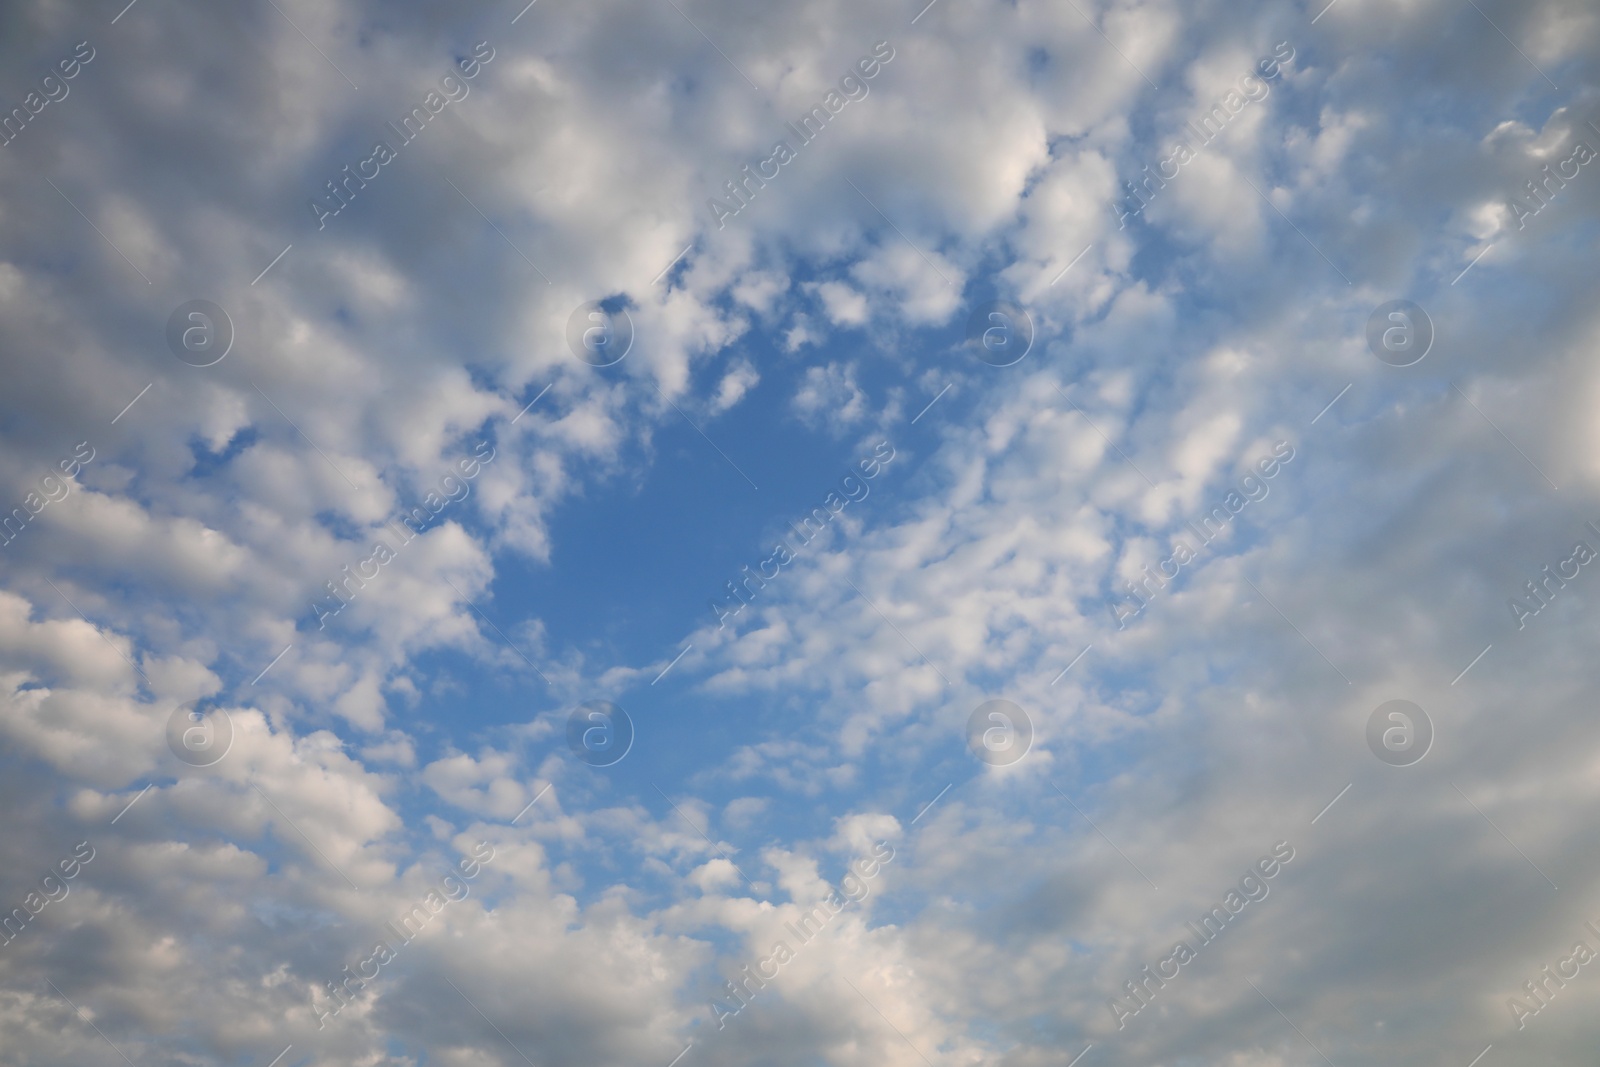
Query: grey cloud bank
(52,89)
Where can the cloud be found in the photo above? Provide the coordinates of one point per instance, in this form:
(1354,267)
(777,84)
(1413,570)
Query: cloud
(1173,349)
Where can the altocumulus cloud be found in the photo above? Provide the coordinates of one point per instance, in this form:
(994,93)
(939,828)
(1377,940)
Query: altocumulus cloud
(1428,154)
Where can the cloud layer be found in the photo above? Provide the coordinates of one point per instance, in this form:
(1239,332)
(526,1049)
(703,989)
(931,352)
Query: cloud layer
(393,543)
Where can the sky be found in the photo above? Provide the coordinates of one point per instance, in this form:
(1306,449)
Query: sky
(691,534)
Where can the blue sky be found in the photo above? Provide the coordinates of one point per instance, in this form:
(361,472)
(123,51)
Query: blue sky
(1242,711)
